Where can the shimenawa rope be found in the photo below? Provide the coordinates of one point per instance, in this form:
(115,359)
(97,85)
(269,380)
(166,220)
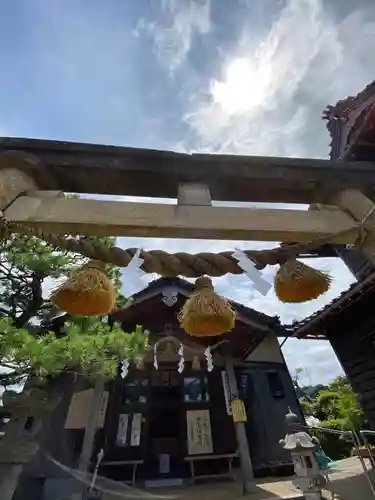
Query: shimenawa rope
(181,263)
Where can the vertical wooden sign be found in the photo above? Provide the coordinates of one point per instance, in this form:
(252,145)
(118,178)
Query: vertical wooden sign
(135,436)
(199,436)
(78,414)
(122,430)
(227,393)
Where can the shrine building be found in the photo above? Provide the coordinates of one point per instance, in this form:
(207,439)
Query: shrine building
(172,419)
(169,421)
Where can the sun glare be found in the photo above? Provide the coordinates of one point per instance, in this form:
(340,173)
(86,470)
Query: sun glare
(244,87)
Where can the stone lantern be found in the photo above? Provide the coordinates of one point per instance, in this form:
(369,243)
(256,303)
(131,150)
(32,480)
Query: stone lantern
(19,444)
(309,478)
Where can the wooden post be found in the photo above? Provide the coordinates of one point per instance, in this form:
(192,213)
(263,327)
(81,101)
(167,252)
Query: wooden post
(361,208)
(88,440)
(15,176)
(243,445)
(14,180)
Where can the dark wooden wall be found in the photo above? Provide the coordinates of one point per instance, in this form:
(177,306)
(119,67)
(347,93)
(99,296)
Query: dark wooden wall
(357,264)
(266,408)
(352,336)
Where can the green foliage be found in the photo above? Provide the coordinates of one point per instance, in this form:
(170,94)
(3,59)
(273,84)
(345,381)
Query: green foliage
(338,383)
(308,408)
(326,405)
(336,402)
(94,349)
(85,345)
(342,402)
(337,408)
(333,444)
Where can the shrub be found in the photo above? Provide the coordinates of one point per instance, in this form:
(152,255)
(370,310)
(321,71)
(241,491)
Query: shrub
(333,446)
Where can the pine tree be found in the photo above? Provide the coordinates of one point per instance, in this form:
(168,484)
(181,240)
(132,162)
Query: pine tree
(35,338)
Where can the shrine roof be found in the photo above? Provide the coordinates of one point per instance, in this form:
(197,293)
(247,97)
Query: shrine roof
(313,326)
(156,308)
(344,106)
(185,288)
(338,114)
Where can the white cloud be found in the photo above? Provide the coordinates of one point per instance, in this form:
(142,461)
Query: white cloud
(271,90)
(267,99)
(258,81)
(174,34)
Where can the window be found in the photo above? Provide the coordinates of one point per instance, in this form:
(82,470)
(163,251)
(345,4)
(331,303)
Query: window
(165,378)
(29,424)
(129,429)
(245,386)
(275,385)
(135,392)
(196,389)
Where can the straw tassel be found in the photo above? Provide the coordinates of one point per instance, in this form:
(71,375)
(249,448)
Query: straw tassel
(89,292)
(205,313)
(297,282)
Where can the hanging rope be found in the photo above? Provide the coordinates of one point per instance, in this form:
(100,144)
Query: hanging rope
(176,264)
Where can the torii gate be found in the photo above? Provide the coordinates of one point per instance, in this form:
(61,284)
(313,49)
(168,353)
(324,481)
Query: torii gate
(36,172)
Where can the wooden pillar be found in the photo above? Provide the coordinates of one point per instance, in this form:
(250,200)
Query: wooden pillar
(14,180)
(15,176)
(88,440)
(359,207)
(243,445)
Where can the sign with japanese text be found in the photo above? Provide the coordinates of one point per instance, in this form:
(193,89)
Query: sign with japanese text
(199,437)
(238,410)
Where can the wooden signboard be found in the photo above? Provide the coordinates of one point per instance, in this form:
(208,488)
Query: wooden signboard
(135,436)
(122,430)
(238,410)
(227,393)
(79,409)
(129,430)
(199,437)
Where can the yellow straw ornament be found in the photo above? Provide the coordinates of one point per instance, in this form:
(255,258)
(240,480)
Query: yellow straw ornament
(297,282)
(89,292)
(205,313)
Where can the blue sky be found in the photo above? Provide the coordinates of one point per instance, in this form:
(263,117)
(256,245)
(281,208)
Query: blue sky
(233,76)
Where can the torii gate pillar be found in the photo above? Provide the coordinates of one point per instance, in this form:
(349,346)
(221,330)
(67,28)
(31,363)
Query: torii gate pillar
(362,209)
(15,177)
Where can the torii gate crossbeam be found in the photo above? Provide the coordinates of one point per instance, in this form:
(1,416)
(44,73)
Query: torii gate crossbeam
(96,169)
(30,169)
